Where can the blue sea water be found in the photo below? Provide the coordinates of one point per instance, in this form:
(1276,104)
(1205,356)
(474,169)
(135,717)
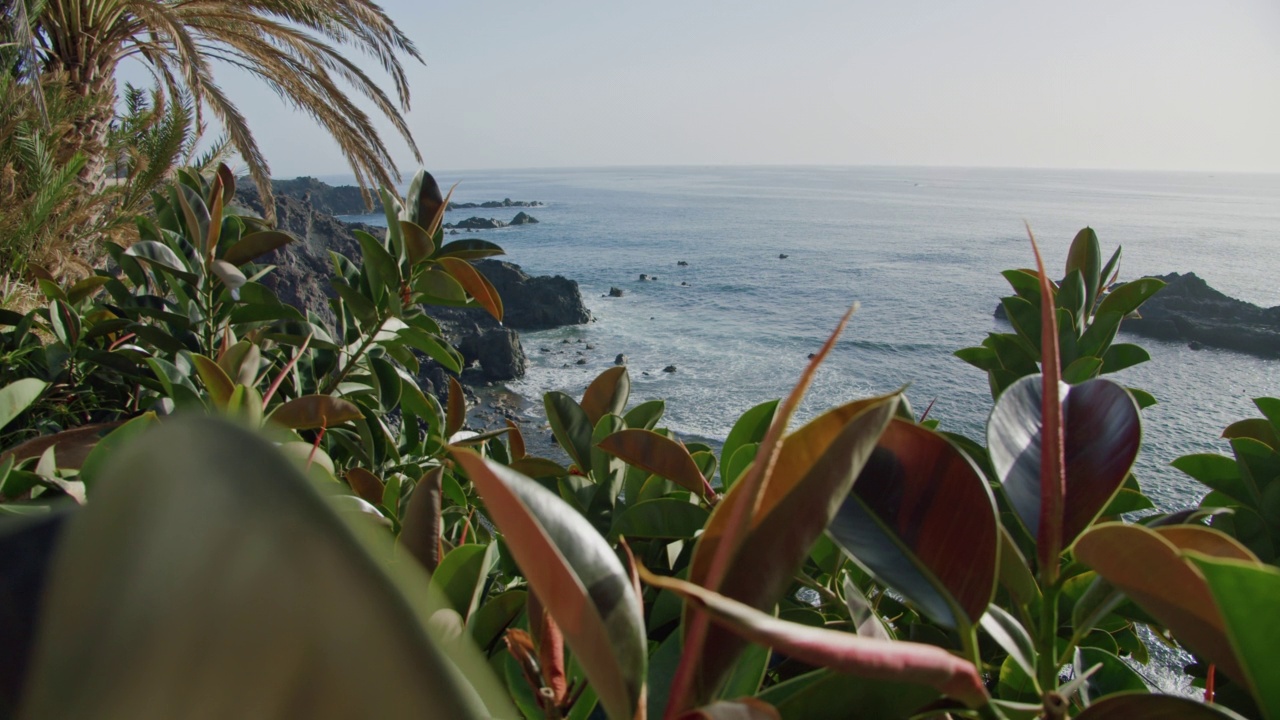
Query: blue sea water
(919,248)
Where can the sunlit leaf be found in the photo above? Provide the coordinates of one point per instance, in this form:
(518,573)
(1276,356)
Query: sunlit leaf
(660,455)
(460,576)
(1102,432)
(17,396)
(607,394)
(159,255)
(1247,594)
(476,285)
(576,575)
(215,380)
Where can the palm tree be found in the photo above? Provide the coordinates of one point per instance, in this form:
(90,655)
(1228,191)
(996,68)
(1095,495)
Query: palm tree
(294,46)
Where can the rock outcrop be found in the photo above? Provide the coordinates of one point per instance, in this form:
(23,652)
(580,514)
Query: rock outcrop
(1188,310)
(476,223)
(507,202)
(523,218)
(492,351)
(328,199)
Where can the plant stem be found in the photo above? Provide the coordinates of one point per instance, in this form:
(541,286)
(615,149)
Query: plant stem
(355,358)
(1047,668)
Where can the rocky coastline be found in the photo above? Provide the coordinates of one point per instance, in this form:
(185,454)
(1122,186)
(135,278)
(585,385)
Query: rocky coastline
(492,351)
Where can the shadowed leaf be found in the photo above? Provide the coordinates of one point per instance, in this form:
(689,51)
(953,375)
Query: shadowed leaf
(456,415)
(420,533)
(515,441)
(1246,592)
(664,518)
(1151,570)
(365,485)
(746,708)
(575,574)
(1145,706)
(571,426)
(839,651)
(417,243)
(315,411)
(750,429)
(255,245)
(921,518)
(281,575)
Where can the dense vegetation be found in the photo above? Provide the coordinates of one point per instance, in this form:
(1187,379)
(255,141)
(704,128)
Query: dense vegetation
(258,515)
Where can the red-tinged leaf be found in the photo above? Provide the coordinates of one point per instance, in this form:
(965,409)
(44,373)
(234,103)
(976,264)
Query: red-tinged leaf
(476,285)
(1247,593)
(576,575)
(1148,568)
(71,447)
(1053,478)
(659,455)
(922,519)
(215,380)
(315,411)
(1102,434)
(456,414)
(254,245)
(536,467)
(365,485)
(1207,541)
(515,442)
(738,518)
(606,394)
(815,470)
(1146,706)
(215,218)
(417,242)
(840,651)
(550,644)
(741,709)
(420,532)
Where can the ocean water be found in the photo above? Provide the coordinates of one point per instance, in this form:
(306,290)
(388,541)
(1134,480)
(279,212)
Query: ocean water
(920,249)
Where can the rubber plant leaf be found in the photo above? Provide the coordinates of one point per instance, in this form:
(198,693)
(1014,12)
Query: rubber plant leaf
(576,576)
(1246,592)
(659,455)
(315,411)
(922,519)
(1102,432)
(208,561)
(1145,706)
(840,651)
(607,394)
(476,285)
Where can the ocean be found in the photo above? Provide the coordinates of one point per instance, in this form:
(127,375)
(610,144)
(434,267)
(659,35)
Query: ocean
(920,249)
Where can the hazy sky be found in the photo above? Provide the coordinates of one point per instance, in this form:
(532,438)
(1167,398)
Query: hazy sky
(1127,84)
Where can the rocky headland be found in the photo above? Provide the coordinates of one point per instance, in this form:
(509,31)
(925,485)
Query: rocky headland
(492,351)
(1187,310)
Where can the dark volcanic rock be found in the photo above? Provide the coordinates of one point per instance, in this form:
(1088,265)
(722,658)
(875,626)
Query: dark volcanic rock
(1188,310)
(325,198)
(535,303)
(477,223)
(523,218)
(495,204)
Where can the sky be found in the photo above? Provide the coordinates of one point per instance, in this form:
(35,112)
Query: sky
(1145,85)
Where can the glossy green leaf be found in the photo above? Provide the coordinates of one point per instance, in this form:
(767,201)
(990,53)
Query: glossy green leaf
(608,472)
(1085,368)
(922,519)
(1102,432)
(470,249)
(1258,429)
(417,243)
(492,618)
(607,394)
(461,576)
(1115,676)
(85,288)
(440,287)
(645,415)
(103,450)
(576,575)
(1129,296)
(1144,706)
(383,270)
(255,245)
(664,518)
(456,408)
(1023,315)
(281,575)
(315,411)
(1085,256)
(839,651)
(571,426)
(1247,595)
(1123,355)
(1011,637)
(659,455)
(17,396)
(361,307)
(749,429)
(432,347)
(229,274)
(159,255)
